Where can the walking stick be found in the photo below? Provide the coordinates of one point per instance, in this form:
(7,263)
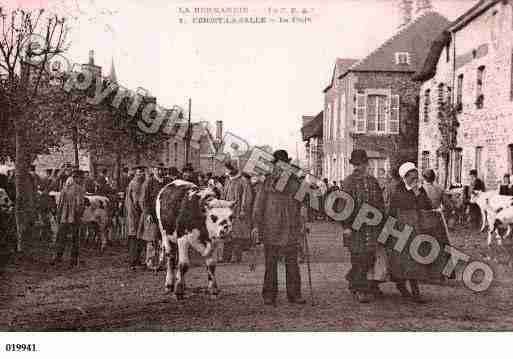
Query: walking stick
(307,254)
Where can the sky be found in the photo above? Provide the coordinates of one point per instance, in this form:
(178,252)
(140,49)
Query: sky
(259,79)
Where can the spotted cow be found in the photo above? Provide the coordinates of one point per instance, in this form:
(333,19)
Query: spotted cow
(191,217)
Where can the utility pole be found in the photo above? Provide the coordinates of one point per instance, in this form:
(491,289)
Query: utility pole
(188,135)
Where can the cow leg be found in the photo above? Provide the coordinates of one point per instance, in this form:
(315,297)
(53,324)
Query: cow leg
(483,221)
(170,253)
(211,263)
(183,265)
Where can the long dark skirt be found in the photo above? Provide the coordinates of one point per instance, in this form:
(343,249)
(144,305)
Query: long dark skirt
(403,265)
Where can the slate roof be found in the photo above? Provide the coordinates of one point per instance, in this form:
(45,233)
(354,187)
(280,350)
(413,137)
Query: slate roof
(341,66)
(428,70)
(313,128)
(414,38)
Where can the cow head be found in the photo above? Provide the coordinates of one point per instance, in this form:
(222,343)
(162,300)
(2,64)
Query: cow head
(219,218)
(474,196)
(6,204)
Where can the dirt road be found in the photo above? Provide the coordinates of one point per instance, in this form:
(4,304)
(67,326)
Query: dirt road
(102,294)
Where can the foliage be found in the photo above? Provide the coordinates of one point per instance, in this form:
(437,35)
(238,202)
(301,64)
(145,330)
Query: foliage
(448,126)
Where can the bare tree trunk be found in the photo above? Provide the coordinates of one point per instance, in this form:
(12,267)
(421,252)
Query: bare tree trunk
(23,190)
(75,147)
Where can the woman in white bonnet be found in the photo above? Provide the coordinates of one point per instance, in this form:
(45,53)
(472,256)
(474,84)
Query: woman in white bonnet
(406,204)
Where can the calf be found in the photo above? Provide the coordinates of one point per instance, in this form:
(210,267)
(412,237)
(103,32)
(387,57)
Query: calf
(191,217)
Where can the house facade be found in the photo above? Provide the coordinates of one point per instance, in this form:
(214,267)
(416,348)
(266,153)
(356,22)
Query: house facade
(375,103)
(476,60)
(312,136)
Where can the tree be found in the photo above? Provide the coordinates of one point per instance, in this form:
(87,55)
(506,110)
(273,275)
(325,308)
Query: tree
(28,41)
(448,126)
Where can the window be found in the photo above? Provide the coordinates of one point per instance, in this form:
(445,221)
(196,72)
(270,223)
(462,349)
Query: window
(402,58)
(176,153)
(334,169)
(479,86)
(447,52)
(427,104)
(376,113)
(510,158)
(393,121)
(425,160)
(478,161)
(360,113)
(440,99)
(336,118)
(511,78)
(457,165)
(342,115)
(459,94)
(328,121)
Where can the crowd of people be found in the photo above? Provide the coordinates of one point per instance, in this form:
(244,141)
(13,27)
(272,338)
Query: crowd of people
(262,214)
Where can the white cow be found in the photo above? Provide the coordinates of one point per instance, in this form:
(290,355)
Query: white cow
(490,204)
(191,217)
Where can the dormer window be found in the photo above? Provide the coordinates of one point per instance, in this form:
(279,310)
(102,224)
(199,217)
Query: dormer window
(402,58)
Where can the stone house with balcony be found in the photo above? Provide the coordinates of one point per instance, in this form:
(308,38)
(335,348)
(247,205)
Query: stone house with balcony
(375,103)
(472,67)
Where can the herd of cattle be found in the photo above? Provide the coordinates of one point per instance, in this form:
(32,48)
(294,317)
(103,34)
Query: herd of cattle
(192,217)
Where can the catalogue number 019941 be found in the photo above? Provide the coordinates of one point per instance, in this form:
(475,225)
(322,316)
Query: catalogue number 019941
(20,348)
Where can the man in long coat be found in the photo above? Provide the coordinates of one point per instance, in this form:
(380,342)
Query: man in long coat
(69,212)
(133,216)
(238,189)
(277,220)
(363,188)
(148,226)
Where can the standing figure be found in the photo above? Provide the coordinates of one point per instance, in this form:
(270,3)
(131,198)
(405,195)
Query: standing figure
(69,214)
(407,204)
(277,221)
(148,227)
(433,191)
(238,189)
(505,187)
(134,215)
(476,184)
(362,245)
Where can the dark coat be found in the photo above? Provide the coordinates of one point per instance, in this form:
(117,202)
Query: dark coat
(363,188)
(277,214)
(417,212)
(132,207)
(148,229)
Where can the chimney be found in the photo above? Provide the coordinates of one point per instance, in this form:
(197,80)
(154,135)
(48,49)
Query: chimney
(405,12)
(219,130)
(91,57)
(423,6)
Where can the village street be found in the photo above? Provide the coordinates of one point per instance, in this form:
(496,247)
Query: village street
(103,294)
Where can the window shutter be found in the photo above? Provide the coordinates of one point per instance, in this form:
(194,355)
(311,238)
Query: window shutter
(360,113)
(393,120)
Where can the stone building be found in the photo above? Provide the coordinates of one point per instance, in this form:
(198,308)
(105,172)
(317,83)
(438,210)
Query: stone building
(471,66)
(312,136)
(371,103)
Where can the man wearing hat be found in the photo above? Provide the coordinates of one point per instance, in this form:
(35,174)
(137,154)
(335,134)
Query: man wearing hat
(134,215)
(148,227)
(277,221)
(237,189)
(69,212)
(188,174)
(363,188)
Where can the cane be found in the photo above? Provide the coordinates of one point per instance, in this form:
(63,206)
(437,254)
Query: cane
(307,254)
